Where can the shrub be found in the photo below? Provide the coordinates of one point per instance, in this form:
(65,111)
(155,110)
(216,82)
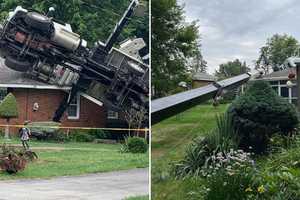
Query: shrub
(88,135)
(281,184)
(9,107)
(222,185)
(135,145)
(229,175)
(81,136)
(231,162)
(8,110)
(12,163)
(100,134)
(221,139)
(58,136)
(12,160)
(258,114)
(117,134)
(46,131)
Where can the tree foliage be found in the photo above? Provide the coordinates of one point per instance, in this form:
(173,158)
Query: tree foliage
(231,68)
(9,107)
(198,64)
(259,113)
(94,20)
(173,42)
(276,50)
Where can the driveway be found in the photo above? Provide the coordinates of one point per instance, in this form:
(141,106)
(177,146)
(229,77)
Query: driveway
(100,186)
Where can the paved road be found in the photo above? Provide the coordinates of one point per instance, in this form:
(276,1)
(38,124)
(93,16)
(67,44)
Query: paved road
(102,186)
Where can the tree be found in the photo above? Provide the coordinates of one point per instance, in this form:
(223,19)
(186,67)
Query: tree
(92,19)
(173,42)
(198,64)
(276,50)
(231,68)
(8,110)
(259,113)
(135,119)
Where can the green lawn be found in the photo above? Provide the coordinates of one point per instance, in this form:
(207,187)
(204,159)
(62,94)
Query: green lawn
(169,139)
(76,158)
(138,198)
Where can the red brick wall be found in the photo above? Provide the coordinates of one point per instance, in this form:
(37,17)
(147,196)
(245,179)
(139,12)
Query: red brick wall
(91,114)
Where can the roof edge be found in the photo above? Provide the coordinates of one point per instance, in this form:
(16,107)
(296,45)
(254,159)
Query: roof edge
(27,86)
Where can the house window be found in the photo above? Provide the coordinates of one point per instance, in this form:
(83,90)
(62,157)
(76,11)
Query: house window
(3,93)
(74,108)
(275,89)
(294,92)
(286,92)
(274,82)
(112,114)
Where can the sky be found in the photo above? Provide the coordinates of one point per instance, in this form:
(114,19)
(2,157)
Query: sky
(233,29)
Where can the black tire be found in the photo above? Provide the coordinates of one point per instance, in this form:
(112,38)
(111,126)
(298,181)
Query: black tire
(17,65)
(38,21)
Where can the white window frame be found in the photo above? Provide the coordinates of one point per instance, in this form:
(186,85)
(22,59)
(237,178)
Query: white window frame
(112,114)
(279,86)
(77,109)
(4,89)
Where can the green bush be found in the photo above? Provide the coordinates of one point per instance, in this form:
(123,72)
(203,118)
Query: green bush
(47,131)
(99,134)
(258,114)
(230,186)
(9,107)
(45,126)
(88,135)
(281,184)
(81,136)
(58,136)
(135,145)
(229,175)
(12,160)
(221,139)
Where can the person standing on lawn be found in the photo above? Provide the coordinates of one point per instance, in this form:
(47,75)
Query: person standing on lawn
(25,134)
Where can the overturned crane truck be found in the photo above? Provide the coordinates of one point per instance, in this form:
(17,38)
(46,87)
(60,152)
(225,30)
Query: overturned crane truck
(171,105)
(48,50)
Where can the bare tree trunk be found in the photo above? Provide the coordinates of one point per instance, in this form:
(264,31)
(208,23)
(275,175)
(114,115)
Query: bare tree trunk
(6,136)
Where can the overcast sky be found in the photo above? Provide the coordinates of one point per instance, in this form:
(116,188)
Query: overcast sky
(238,28)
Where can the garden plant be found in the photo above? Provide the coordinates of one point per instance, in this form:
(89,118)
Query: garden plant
(252,153)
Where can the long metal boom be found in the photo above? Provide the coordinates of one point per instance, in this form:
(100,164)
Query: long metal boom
(166,107)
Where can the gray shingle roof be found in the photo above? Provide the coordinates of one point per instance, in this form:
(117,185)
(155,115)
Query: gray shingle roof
(11,77)
(278,75)
(201,76)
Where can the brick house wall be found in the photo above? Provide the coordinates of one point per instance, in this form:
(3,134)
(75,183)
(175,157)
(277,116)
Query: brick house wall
(90,115)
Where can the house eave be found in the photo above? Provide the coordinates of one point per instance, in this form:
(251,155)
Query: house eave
(50,87)
(92,99)
(272,78)
(28,86)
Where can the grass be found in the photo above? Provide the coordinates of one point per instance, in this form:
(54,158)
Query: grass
(169,140)
(138,198)
(68,159)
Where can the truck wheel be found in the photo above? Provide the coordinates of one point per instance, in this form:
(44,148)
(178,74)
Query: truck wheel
(17,65)
(38,21)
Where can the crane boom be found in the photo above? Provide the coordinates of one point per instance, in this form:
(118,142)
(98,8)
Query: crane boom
(166,107)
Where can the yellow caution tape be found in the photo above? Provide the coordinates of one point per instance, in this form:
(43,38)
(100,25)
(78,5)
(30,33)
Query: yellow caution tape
(80,128)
